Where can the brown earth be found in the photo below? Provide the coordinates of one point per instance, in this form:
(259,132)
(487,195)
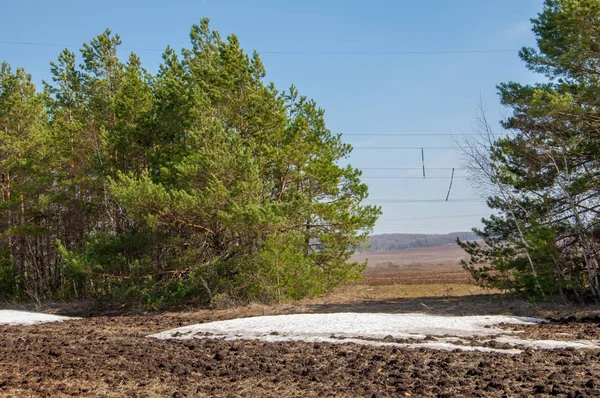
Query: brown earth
(417,274)
(423,265)
(450,254)
(108,355)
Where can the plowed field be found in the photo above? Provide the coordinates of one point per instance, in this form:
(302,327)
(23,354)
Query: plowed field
(110,355)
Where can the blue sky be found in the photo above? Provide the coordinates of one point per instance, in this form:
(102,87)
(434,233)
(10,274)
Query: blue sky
(362,94)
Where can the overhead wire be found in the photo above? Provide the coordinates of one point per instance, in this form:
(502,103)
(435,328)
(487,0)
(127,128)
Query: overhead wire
(411,177)
(407,168)
(435,217)
(279,52)
(403,147)
(410,134)
(393,201)
(361,53)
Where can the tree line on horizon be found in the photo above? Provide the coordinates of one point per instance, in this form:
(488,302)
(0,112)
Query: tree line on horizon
(199,183)
(401,241)
(543,175)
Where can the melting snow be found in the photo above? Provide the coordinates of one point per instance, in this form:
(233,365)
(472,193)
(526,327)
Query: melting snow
(375,329)
(548,344)
(11,317)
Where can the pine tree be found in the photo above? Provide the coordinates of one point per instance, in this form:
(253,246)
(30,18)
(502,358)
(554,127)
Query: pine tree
(199,183)
(550,161)
(24,197)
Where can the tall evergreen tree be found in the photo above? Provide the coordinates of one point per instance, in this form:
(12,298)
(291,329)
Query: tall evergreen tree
(25,188)
(549,163)
(199,183)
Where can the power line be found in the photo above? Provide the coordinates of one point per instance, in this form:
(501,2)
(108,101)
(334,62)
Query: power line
(439,52)
(388,52)
(433,218)
(415,227)
(411,134)
(403,147)
(451,181)
(28,43)
(393,201)
(413,178)
(406,168)
(25,43)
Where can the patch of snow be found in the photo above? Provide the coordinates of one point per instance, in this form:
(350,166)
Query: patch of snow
(422,331)
(549,344)
(435,345)
(375,326)
(11,317)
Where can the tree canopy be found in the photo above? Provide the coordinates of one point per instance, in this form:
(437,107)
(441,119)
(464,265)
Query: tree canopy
(199,183)
(546,171)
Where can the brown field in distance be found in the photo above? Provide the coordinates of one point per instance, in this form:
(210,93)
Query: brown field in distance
(415,266)
(436,255)
(411,273)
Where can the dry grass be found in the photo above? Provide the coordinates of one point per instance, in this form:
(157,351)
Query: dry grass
(383,292)
(423,280)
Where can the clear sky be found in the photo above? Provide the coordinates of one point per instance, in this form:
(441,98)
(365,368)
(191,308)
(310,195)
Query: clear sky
(365,93)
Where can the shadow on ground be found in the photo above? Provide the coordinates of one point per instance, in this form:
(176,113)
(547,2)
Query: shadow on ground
(476,304)
(464,305)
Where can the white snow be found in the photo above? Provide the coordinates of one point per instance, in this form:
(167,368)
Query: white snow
(11,317)
(422,331)
(376,326)
(549,344)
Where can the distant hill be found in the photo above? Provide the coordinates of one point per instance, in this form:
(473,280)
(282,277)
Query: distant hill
(387,242)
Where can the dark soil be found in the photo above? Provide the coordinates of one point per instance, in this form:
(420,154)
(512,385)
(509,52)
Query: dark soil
(110,356)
